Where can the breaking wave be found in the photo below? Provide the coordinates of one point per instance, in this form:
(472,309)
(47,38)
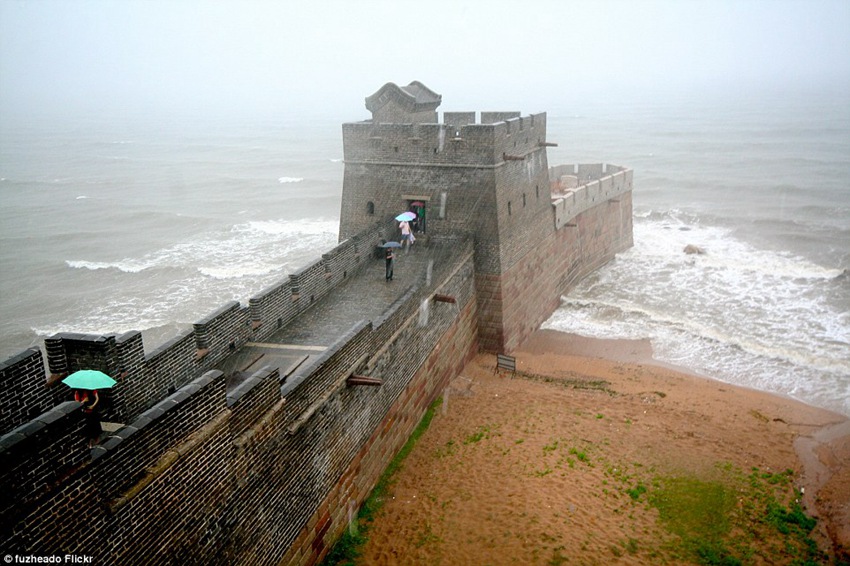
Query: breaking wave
(758,318)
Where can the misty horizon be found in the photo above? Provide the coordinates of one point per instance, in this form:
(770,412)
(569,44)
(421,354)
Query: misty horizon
(261,59)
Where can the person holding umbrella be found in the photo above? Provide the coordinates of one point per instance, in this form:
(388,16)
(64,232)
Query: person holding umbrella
(89,399)
(85,384)
(390,259)
(404,225)
(389,255)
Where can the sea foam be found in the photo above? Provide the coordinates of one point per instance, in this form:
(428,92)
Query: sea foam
(754,317)
(127,266)
(239,271)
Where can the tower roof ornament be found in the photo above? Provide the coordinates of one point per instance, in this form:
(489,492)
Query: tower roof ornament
(413,98)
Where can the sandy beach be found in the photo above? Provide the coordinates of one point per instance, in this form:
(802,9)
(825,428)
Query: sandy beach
(584,455)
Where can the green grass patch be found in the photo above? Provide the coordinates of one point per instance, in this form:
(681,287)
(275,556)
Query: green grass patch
(426,537)
(698,512)
(482,433)
(346,549)
(581,455)
(636,491)
(734,518)
(447,450)
(557,558)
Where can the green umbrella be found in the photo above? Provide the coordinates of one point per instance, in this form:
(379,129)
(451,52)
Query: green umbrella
(89,379)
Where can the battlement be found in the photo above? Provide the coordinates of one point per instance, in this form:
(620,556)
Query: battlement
(142,481)
(577,188)
(145,378)
(458,141)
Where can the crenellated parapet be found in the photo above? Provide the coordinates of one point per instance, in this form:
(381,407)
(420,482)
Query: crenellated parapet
(276,306)
(146,377)
(460,142)
(194,472)
(127,484)
(578,188)
(23,376)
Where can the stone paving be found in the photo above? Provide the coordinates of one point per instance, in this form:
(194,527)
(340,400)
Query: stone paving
(364,296)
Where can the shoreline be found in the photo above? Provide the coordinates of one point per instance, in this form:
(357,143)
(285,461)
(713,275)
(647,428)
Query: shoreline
(640,352)
(506,498)
(823,449)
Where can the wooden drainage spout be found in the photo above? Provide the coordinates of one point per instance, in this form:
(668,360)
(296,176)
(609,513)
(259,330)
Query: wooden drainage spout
(355,379)
(547,144)
(444,299)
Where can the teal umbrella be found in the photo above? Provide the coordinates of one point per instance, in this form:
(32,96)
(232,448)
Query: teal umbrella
(89,379)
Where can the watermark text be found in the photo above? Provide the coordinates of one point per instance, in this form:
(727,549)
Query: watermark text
(47,559)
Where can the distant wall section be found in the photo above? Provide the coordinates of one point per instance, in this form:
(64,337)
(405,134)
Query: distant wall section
(589,224)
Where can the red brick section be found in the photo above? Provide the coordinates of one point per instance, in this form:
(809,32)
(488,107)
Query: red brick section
(451,354)
(531,290)
(488,290)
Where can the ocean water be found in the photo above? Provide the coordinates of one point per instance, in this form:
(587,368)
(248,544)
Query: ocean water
(116,225)
(150,226)
(763,187)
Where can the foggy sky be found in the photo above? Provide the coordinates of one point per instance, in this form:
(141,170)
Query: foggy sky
(272,58)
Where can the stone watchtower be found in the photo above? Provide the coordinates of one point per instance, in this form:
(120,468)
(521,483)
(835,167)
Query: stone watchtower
(487,177)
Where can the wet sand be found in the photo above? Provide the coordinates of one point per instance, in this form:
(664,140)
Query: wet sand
(536,469)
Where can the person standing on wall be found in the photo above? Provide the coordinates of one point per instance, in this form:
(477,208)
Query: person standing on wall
(390,259)
(406,234)
(89,399)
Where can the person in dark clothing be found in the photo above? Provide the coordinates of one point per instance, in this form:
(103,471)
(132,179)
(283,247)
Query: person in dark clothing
(89,400)
(390,257)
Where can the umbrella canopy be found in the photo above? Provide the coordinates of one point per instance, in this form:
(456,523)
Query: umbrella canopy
(407,216)
(391,245)
(89,379)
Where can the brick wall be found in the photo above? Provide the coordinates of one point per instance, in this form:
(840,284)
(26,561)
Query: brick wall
(269,471)
(22,378)
(221,332)
(531,290)
(385,162)
(145,378)
(457,119)
(384,433)
(278,305)
(493,177)
(244,477)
